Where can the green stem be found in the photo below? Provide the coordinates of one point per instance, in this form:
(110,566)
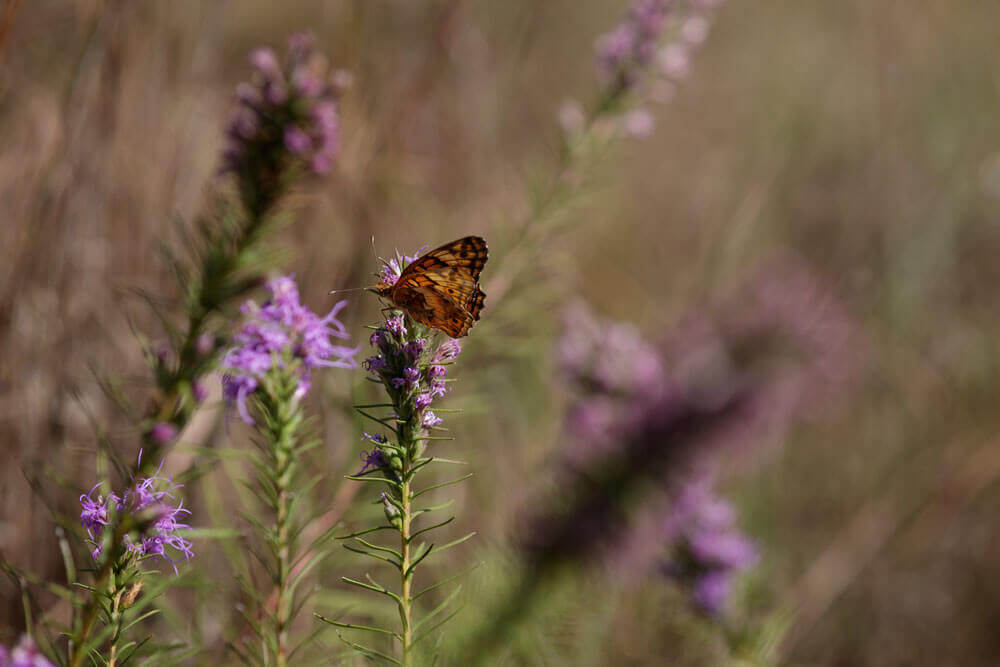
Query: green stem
(78,649)
(116,621)
(406,575)
(283,532)
(210,296)
(283,436)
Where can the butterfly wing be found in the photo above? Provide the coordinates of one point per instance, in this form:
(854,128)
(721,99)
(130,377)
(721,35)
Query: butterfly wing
(424,301)
(441,289)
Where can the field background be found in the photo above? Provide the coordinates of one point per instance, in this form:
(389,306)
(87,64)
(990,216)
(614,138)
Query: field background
(862,137)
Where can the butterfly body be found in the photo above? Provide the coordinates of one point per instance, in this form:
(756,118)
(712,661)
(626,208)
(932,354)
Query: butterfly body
(441,288)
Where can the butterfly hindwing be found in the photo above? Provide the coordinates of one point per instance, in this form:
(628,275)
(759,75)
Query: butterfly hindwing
(429,306)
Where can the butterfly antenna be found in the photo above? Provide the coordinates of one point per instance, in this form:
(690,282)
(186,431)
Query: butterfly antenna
(350,289)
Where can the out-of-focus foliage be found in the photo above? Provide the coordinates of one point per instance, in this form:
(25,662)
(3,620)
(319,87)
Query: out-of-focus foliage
(861,138)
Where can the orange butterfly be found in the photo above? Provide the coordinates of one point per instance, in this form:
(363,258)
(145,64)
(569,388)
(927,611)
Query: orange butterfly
(441,288)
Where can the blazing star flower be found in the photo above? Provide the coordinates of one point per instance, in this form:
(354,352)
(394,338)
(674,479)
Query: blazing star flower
(392,269)
(415,348)
(708,549)
(288,112)
(147,495)
(25,654)
(631,44)
(648,51)
(615,376)
(404,361)
(94,514)
(648,418)
(448,350)
(279,332)
(374,459)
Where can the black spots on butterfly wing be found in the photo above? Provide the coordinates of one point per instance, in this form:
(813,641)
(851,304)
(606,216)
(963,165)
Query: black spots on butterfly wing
(458,324)
(475,304)
(467,254)
(420,265)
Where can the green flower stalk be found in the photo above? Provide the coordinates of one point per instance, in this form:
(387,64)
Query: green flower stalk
(125,530)
(266,376)
(412,373)
(286,126)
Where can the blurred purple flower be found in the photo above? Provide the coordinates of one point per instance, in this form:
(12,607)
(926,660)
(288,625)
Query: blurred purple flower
(25,654)
(279,332)
(707,547)
(163,432)
(647,51)
(205,344)
(572,117)
(710,592)
(199,391)
(288,109)
(730,376)
(630,45)
(638,123)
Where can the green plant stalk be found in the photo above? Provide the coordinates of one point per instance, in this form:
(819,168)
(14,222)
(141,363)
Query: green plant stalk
(116,620)
(215,273)
(284,419)
(77,649)
(407,432)
(284,458)
(406,575)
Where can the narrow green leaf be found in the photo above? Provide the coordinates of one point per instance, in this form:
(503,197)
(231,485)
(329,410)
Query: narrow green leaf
(352,626)
(373,555)
(441,485)
(429,528)
(455,542)
(446,581)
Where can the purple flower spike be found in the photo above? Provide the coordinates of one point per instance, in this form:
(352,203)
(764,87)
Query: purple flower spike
(154,495)
(279,331)
(289,109)
(630,45)
(406,362)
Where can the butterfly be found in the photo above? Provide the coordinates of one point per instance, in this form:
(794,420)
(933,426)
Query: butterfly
(441,288)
